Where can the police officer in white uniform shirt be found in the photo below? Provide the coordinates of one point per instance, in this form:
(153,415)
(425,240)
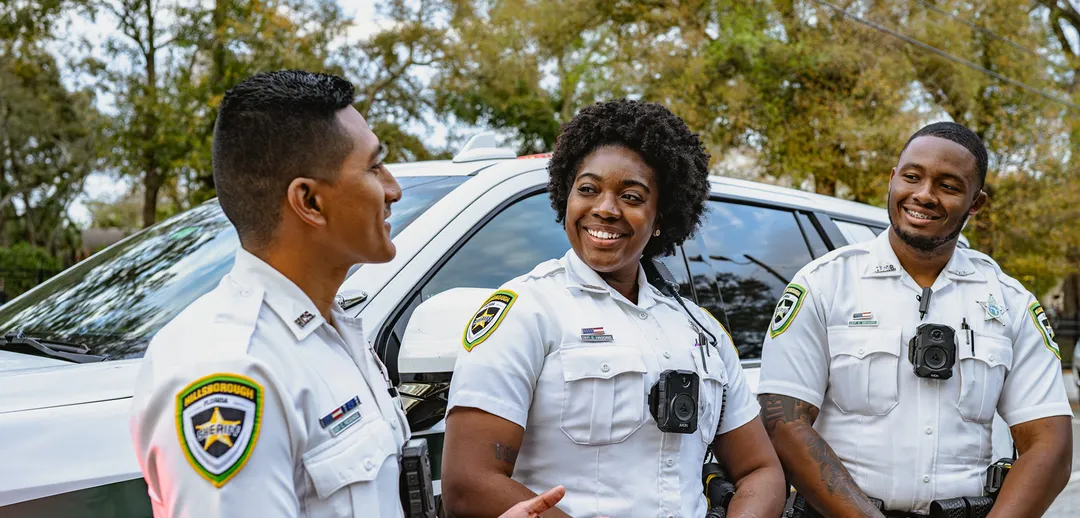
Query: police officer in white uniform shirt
(841,397)
(263,398)
(560,362)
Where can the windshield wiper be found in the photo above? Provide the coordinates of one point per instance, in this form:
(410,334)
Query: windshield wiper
(77,353)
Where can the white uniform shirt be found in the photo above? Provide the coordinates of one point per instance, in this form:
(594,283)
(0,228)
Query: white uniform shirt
(572,361)
(229,408)
(843,347)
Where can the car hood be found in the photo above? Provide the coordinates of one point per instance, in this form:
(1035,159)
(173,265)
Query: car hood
(29,382)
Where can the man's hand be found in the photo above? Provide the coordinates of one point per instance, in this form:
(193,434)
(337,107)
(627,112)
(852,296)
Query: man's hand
(533,507)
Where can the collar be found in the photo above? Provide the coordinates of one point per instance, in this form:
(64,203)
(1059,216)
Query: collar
(579,276)
(284,297)
(883,263)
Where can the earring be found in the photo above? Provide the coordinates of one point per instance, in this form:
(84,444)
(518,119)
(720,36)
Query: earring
(657,233)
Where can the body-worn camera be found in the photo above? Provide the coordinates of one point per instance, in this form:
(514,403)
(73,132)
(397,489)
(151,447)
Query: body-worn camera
(673,401)
(417,493)
(932,351)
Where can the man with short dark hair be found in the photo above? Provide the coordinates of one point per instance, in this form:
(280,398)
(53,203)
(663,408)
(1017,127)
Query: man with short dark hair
(263,397)
(886,361)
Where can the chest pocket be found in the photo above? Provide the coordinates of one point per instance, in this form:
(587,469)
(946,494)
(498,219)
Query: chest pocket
(603,393)
(863,369)
(353,472)
(711,395)
(982,375)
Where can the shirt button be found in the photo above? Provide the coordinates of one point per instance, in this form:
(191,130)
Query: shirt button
(860,351)
(991,357)
(926,478)
(393,424)
(929,430)
(368,465)
(605,367)
(667,354)
(643,316)
(670,463)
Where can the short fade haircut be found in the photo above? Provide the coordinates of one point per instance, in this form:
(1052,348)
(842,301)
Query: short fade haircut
(961,135)
(272,128)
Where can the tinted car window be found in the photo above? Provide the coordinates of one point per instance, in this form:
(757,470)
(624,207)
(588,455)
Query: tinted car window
(856,232)
(750,254)
(117,300)
(510,244)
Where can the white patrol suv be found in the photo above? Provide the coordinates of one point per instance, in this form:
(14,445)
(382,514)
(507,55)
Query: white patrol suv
(70,348)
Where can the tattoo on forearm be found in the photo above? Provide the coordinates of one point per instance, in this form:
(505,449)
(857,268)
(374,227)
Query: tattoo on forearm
(505,453)
(776,409)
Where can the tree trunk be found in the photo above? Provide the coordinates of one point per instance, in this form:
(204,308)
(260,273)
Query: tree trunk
(153,179)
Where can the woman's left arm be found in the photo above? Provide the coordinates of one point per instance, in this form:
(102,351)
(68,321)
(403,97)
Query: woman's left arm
(741,444)
(748,457)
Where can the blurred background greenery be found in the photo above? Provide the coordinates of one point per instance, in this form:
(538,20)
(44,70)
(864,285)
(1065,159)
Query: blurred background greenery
(815,94)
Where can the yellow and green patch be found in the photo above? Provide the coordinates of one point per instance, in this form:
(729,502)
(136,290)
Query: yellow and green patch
(488,318)
(786,309)
(1042,322)
(217,422)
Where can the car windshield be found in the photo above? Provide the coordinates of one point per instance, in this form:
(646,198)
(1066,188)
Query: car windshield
(115,301)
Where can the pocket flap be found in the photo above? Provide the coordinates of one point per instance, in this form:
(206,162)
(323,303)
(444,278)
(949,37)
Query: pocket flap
(861,342)
(990,349)
(714,364)
(604,362)
(356,457)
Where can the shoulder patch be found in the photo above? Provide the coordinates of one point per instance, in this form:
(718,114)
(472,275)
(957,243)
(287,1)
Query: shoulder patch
(1042,323)
(217,422)
(786,309)
(488,318)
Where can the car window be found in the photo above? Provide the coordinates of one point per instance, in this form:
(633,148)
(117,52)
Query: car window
(818,247)
(126,499)
(749,254)
(115,301)
(855,232)
(518,238)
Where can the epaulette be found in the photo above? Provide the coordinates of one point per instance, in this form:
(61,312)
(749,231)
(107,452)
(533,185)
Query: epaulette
(839,253)
(545,269)
(979,257)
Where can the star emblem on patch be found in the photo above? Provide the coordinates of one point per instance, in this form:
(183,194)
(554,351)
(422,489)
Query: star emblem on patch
(218,421)
(994,311)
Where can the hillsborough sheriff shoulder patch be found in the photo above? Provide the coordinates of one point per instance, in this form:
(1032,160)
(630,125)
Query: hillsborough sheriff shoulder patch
(786,309)
(217,420)
(488,318)
(1042,322)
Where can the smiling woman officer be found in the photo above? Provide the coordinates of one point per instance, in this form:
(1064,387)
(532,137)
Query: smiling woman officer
(562,361)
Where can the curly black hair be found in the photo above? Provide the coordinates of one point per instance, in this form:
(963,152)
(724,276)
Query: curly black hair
(665,142)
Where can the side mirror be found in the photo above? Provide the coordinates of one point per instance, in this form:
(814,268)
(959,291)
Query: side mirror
(432,337)
(429,350)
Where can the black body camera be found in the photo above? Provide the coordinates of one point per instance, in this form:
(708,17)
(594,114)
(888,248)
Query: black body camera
(417,492)
(932,351)
(673,401)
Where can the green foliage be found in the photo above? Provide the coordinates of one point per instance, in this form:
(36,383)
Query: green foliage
(23,266)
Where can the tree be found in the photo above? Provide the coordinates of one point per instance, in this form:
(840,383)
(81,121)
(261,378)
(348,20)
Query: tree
(48,132)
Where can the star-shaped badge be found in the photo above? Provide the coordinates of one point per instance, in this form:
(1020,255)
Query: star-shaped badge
(994,311)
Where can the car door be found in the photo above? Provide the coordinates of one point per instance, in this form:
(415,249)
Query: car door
(745,253)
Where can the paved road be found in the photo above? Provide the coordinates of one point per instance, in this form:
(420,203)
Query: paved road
(1067,504)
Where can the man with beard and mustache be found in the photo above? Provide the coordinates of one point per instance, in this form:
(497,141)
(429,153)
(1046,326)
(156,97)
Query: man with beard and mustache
(848,415)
